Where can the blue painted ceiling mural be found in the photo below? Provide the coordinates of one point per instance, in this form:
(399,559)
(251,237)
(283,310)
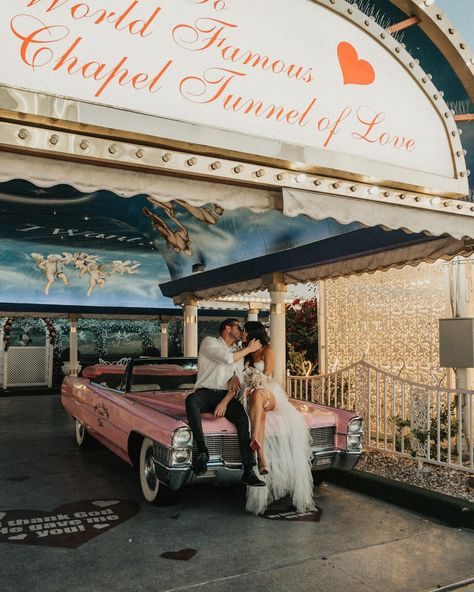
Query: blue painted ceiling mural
(60,246)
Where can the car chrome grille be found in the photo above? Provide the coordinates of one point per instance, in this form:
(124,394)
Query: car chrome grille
(226,446)
(323,438)
(223,446)
(161,453)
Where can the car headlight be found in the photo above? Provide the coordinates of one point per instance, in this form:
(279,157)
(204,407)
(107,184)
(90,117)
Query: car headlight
(180,456)
(355,425)
(354,442)
(182,437)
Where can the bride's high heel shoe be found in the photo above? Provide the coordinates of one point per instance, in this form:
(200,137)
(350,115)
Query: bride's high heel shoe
(254,445)
(263,469)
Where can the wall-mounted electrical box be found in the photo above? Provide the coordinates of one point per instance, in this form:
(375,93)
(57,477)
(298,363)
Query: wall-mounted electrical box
(456,343)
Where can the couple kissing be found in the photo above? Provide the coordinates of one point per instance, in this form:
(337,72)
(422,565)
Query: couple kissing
(278,434)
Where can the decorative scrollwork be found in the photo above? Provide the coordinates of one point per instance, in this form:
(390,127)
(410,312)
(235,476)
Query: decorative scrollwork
(420,422)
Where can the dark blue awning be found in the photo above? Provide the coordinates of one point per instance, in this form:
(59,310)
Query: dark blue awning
(363,250)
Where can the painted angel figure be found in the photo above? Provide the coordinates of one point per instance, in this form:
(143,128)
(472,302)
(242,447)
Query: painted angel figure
(206,214)
(97,274)
(122,267)
(53,267)
(177,239)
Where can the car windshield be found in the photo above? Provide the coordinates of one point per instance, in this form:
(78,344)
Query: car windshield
(161,375)
(146,375)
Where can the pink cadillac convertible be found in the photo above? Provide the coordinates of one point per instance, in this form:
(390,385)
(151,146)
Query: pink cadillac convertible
(138,412)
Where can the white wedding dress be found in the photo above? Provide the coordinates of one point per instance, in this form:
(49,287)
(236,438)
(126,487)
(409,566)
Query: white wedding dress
(287,453)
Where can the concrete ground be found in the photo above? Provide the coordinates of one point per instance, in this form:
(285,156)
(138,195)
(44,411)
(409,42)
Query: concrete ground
(360,544)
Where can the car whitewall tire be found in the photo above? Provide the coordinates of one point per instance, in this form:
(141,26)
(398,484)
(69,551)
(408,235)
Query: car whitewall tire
(153,491)
(148,479)
(83,438)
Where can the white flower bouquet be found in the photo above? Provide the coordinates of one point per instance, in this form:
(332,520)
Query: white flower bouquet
(253,378)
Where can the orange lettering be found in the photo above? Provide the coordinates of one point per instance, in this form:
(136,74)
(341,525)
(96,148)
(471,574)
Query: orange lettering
(306,112)
(344,113)
(209,87)
(30,53)
(384,138)
(114,72)
(370,125)
(65,57)
(153,88)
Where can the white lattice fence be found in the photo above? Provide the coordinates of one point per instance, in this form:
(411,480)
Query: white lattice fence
(28,366)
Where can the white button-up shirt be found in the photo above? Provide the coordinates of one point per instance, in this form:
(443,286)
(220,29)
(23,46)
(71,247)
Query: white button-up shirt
(216,364)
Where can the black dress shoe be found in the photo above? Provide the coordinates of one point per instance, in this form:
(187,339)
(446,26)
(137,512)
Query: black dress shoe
(250,478)
(200,462)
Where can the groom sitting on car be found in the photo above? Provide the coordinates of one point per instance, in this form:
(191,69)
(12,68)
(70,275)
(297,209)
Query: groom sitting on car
(219,365)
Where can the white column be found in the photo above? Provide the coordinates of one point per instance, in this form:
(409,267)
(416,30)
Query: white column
(322,328)
(464,308)
(164,339)
(190,332)
(252,314)
(73,368)
(277,291)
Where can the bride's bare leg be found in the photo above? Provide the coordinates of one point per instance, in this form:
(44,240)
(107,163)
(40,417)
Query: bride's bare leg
(262,463)
(259,403)
(268,404)
(255,414)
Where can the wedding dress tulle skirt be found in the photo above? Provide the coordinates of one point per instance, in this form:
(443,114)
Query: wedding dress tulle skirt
(288,453)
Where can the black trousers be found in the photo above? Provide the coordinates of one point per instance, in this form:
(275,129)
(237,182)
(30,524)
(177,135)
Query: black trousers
(205,400)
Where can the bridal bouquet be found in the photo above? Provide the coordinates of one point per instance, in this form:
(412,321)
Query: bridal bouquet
(254,379)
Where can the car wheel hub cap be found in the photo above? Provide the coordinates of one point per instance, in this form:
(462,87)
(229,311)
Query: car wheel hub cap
(149,469)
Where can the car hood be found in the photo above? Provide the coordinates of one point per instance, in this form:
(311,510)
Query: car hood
(315,416)
(173,405)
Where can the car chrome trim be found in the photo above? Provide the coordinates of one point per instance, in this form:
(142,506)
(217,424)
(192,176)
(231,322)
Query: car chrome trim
(173,477)
(359,418)
(190,442)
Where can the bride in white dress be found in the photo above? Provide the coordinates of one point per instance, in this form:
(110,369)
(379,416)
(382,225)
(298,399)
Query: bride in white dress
(280,436)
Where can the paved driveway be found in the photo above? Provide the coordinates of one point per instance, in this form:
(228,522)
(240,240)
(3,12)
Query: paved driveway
(360,544)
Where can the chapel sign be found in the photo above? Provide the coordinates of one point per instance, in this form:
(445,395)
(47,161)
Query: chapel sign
(289,70)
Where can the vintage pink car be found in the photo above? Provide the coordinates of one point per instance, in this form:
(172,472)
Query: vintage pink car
(138,412)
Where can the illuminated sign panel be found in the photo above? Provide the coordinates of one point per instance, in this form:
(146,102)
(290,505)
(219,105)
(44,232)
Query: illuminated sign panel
(292,71)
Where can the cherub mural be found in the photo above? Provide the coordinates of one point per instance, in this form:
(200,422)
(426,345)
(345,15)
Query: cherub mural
(122,267)
(53,267)
(97,272)
(179,239)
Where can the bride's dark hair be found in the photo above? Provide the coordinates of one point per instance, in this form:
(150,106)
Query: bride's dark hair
(255,330)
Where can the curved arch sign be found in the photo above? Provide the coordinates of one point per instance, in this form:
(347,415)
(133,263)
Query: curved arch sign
(301,73)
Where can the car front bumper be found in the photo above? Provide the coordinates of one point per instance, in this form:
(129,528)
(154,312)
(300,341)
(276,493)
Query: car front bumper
(335,459)
(177,477)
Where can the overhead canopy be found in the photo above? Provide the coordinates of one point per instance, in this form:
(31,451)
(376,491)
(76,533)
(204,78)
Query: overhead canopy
(102,250)
(394,235)
(360,251)
(453,218)
(70,251)
(205,128)
(89,178)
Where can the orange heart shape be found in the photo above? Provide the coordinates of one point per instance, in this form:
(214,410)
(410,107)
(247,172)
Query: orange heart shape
(354,71)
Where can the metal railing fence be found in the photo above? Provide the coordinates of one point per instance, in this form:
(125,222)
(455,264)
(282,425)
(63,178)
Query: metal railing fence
(430,423)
